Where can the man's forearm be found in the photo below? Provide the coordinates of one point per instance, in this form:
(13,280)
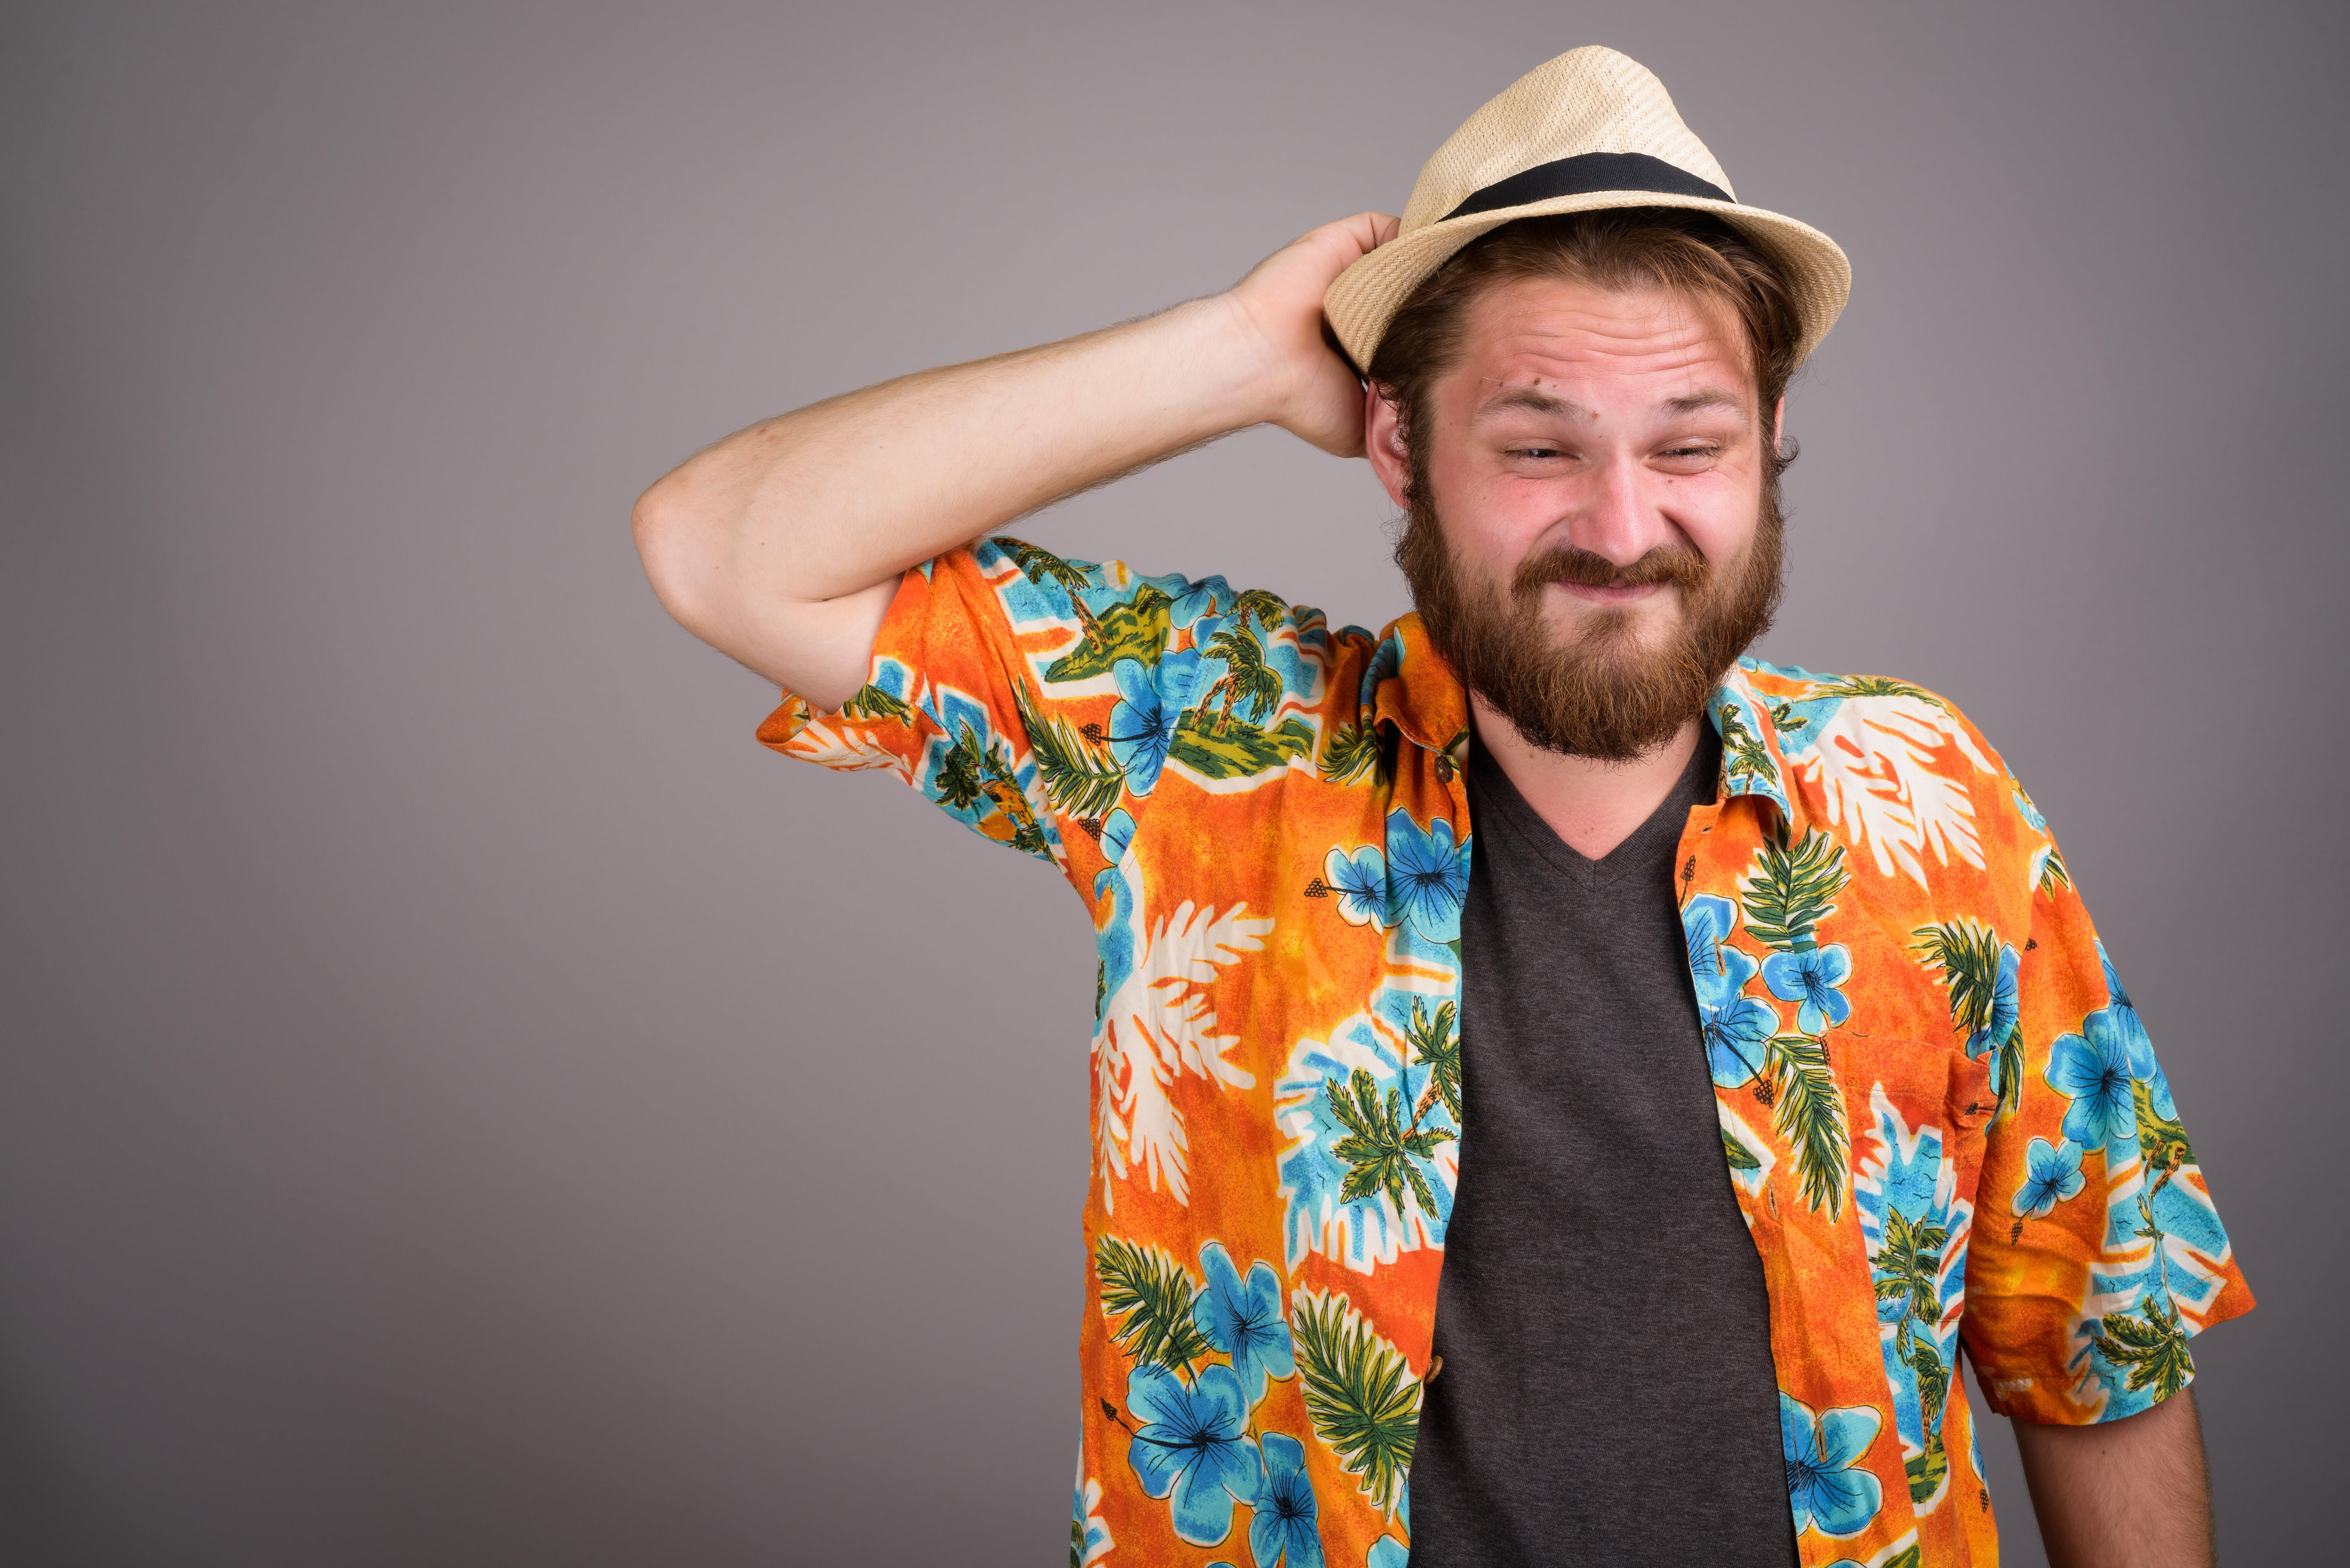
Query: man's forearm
(844,495)
(2130,1493)
(780,544)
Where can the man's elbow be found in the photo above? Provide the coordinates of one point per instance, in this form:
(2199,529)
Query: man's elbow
(682,555)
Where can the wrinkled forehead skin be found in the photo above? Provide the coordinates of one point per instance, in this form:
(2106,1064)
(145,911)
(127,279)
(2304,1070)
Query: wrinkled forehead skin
(1559,349)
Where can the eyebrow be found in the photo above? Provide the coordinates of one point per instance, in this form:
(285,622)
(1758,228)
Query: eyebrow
(1539,402)
(1706,397)
(1535,399)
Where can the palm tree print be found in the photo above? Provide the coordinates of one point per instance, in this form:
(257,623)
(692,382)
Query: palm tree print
(1248,681)
(1909,1270)
(1435,1046)
(1042,566)
(2152,1347)
(1745,754)
(1379,1147)
(1258,604)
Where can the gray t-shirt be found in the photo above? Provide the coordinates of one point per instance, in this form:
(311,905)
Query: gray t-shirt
(1606,1394)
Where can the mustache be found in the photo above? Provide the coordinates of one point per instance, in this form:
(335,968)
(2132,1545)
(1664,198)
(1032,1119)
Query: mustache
(1677,566)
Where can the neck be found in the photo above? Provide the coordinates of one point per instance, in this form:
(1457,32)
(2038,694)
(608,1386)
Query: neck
(1593,805)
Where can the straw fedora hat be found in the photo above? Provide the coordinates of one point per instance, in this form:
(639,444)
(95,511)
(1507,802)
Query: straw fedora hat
(1591,129)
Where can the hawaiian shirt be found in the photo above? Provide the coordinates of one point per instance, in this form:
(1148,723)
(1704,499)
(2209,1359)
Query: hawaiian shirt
(1939,1114)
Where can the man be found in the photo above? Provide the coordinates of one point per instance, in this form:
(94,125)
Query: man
(1760,1055)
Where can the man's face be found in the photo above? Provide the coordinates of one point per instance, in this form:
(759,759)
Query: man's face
(1590,545)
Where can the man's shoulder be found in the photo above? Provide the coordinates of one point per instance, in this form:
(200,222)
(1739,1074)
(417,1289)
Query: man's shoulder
(1805,709)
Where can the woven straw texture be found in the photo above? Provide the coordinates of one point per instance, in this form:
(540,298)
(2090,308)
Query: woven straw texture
(1590,99)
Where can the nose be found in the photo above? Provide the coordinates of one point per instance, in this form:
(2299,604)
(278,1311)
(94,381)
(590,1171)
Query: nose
(1622,521)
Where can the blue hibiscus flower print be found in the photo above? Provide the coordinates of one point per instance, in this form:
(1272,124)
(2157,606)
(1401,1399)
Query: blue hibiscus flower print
(1360,882)
(2006,1010)
(1387,1552)
(1282,1528)
(1811,979)
(1151,703)
(1706,921)
(1192,1439)
(1118,833)
(1736,1027)
(1825,1485)
(1428,875)
(2094,1069)
(1243,1318)
(1387,660)
(2052,1173)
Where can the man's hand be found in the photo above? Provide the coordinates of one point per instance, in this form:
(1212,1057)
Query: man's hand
(2121,1494)
(1319,398)
(782,544)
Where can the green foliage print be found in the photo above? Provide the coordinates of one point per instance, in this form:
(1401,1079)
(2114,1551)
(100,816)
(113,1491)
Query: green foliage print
(1909,1263)
(1136,628)
(1743,753)
(1931,1464)
(1359,1393)
(1966,953)
(1154,1294)
(1079,777)
(2161,1140)
(1260,605)
(1435,1046)
(1807,1110)
(1354,750)
(1740,1156)
(2053,873)
(2151,1344)
(1041,567)
(1380,1144)
(973,770)
(871,703)
(1873,686)
(1237,747)
(1248,681)
(1788,891)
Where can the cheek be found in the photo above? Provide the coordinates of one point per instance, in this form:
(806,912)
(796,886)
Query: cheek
(1717,517)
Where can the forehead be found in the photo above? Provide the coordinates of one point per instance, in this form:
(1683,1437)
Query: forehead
(1648,345)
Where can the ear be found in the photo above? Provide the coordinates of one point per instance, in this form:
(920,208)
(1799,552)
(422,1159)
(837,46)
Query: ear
(1383,442)
(1779,425)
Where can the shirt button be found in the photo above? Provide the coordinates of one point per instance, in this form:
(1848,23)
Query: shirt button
(1443,769)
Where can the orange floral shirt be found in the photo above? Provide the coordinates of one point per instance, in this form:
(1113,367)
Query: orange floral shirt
(1939,1111)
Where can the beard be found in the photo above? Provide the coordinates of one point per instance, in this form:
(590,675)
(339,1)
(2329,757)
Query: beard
(1600,694)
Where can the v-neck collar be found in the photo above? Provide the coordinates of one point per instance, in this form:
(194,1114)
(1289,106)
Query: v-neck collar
(1653,842)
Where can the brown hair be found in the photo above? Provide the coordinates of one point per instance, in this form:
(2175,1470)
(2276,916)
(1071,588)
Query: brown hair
(1678,249)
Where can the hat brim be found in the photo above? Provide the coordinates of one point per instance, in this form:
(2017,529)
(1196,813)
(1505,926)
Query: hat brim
(1366,296)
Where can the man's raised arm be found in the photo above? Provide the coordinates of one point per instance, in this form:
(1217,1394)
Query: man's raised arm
(782,544)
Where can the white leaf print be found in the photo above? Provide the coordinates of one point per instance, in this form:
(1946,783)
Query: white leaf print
(843,747)
(1154,1027)
(1873,766)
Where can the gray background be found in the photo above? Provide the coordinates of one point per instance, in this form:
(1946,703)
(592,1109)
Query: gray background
(463,1101)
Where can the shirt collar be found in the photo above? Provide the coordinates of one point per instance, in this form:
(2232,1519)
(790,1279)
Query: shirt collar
(1408,685)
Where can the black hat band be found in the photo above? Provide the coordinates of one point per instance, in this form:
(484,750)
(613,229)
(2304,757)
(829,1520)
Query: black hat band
(1584,173)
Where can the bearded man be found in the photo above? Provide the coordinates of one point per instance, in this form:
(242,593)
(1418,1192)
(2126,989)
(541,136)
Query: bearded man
(1760,1057)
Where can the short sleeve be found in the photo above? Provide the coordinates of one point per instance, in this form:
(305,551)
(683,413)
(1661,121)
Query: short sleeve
(1027,696)
(2096,1253)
